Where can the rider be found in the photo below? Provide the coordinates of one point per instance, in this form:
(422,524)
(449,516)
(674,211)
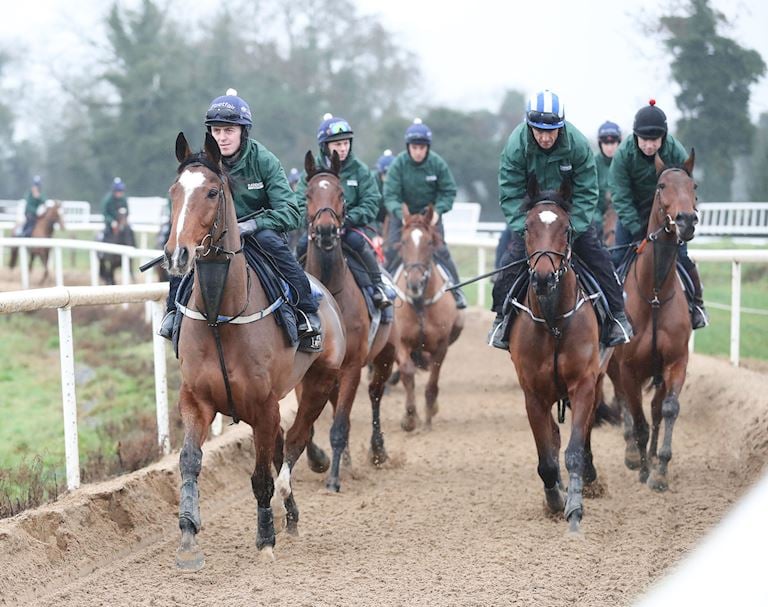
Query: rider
(111,205)
(608,140)
(547,146)
(258,183)
(34,200)
(632,181)
(293,178)
(419,177)
(361,201)
(382,167)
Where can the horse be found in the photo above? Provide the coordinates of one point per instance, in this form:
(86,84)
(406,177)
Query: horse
(50,215)
(120,233)
(326,260)
(554,345)
(236,361)
(657,305)
(428,318)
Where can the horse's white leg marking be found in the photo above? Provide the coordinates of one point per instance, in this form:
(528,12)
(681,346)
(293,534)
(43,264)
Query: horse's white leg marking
(283,482)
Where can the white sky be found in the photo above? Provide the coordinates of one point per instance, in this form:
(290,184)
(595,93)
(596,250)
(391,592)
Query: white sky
(593,54)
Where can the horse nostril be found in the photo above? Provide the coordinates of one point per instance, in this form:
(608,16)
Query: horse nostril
(183,256)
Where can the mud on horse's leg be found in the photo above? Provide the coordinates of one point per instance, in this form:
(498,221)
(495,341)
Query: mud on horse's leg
(670,409)
(407,377)
(349,381)
(264,438)
(382,368)
(188,555)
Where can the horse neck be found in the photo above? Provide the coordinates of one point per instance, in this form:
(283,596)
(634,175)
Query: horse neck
(655,264)
(329,267)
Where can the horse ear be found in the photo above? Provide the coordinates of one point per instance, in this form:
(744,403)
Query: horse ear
(309,164)
(406,212)
(659,164)
(212,149)
(532,187)
(182,148)
(335,163)
(688,164)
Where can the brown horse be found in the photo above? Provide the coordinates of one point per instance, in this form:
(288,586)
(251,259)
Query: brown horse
(120,233)
(326,261)
(658,308)
(428,318)
(51,215)
(555,349)
(233,358)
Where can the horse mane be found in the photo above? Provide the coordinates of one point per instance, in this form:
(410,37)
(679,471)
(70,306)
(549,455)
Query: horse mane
(547,196)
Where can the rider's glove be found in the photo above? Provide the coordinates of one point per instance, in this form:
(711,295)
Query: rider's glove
(247,227)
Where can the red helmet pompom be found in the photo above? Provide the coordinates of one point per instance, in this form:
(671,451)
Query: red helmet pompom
(651,102)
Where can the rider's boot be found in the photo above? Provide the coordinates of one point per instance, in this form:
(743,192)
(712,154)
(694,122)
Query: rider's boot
(379,295)
(166,325)
(461,300)
(699,316)
(498,336)
(308,323)
(619,330)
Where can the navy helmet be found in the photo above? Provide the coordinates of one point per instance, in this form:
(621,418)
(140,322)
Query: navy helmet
(384,162)
(293,176)
(229,109)
(650,122)
(418,132)
(37,180)
(118,185)
(545,111)
(609,132)
(333,128)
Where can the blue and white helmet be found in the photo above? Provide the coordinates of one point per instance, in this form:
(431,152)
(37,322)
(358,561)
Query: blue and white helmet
(384,162)
(418,132)
(545,111)
(229,109)
(37,180)
(293,176)
(333,128)
(118,185)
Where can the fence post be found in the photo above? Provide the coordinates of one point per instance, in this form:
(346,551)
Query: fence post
(735,311)
(58,265)
(161,376)
(68,400)
(24,266)
(94,257)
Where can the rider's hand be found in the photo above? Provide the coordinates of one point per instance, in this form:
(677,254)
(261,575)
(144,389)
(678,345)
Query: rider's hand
(247,227)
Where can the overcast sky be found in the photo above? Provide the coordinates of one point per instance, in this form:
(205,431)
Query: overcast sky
(593,54)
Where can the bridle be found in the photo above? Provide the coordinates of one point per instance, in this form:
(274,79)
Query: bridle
(558,271)
(328,239)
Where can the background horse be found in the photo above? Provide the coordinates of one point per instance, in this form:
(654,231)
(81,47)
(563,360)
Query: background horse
(119,234)
(555,349)
(657,305)
(237,363)
(326,260)
(44,226)
(428,318)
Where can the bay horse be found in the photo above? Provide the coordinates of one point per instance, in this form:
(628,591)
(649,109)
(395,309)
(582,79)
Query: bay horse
(326,260)
(554,345)
(50,215)
(428,318)
(234,359)
(657,305)
(121,233)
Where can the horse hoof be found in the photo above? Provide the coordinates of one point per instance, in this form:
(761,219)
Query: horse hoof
(378,457)
(574,521)
(292,529)
(408,423)
(643,475)
(267,554)
(190,560)
(333,486)
(554,500)
(318,462)
(632,457)
(657,482)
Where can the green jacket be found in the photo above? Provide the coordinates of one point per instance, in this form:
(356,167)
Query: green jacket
(632,180)
(360,191)
(33,203)
(258,181)
(522,157)
(603,191)
(419,185)
(111,205)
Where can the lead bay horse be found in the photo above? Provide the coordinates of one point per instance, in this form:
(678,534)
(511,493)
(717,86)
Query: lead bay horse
(428,319)
(326,261)
(233,357)
(554,345)
(656,303)
(47,220)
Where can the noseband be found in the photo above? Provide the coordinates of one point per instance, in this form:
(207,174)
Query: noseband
(558,271)
(669,225)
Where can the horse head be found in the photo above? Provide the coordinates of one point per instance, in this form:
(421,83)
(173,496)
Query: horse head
(548,236)
(199,197)
(675,199)
(325,202)
(418,241)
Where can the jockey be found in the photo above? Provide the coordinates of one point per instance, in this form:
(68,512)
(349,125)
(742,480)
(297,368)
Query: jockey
(111,204)
(608,140)
(258,182)
(382,166)
(632,180)
(293,178)
(34,200)
(552,149)
(419,177)
(361,201)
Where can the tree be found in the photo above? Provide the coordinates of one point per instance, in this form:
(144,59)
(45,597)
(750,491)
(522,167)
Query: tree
(758,182)
(714,74)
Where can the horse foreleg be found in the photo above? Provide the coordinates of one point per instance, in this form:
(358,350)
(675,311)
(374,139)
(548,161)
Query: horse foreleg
(348,382)
(264,439)
(547,447)
(197,420)
(432,389)
(658,397)
(670,409)
(582,414)
(407,374)
(382,368)
(631,386)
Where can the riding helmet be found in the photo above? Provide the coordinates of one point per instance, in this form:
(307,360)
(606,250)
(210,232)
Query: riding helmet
(118,185)
(333,128)
(545,111)
(608,131)
(384,161)
(418,132)
(229,109)
(650,122)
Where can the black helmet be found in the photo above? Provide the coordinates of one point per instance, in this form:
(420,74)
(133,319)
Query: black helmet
(650,122)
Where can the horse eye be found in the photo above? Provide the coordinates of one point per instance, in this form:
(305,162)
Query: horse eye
(662,186)
(212,193)
(695,186)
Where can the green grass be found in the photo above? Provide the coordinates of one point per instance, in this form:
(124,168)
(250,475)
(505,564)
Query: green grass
(716,277)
